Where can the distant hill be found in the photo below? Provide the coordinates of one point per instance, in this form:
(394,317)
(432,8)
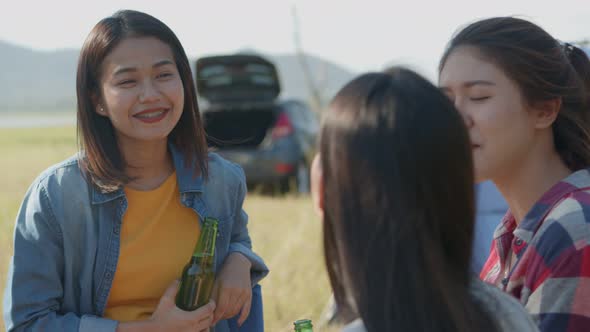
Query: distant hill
(34,80)
(45,81)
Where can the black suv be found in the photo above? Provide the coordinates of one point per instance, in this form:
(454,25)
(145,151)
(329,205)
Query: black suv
(246,122)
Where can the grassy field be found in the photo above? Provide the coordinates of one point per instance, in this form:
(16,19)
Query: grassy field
(284,231)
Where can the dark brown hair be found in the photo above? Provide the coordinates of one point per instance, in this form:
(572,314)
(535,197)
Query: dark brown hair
(399,205)
(544,69)
(102,160)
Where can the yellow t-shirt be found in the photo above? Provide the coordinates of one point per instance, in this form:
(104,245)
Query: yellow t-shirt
(158,236)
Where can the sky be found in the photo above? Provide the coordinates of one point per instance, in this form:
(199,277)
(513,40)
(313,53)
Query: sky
(358,35)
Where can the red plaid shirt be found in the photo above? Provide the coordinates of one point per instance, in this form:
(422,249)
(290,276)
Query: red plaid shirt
(550,263)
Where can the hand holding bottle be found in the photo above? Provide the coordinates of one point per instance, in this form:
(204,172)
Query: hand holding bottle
(169,318)
(233,289)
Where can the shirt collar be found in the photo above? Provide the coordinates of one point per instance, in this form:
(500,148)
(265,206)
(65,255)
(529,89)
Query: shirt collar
(533,219)
(185,176)
(188,181)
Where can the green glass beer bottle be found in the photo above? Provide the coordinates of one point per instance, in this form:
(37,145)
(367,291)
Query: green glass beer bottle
(198,276)
(303,325)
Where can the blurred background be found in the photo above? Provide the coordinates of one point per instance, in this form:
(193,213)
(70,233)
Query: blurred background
(312,49)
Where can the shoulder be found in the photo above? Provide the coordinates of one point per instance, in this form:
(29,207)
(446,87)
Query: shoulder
(503,308)
(571,208)
(65,173)
(572,203)
(56,190)
(220,172)
(566,227)
(224,172)
(225,187)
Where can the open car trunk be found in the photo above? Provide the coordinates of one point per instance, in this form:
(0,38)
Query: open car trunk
(238,128)
(241,90)
(237,78)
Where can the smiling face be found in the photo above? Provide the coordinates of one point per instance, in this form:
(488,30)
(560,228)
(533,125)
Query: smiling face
(141,90)
(501,127)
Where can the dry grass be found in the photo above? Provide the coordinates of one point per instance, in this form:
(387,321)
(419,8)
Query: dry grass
(285,231)
(288,235)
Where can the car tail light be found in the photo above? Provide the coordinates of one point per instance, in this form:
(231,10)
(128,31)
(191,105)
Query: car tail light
(284,168)
(283,127)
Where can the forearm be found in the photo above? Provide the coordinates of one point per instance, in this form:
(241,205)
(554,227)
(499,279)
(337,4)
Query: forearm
(258,268)
(240,243)
(239,259)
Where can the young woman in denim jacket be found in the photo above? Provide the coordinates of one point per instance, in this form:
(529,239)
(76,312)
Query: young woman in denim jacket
(95,245)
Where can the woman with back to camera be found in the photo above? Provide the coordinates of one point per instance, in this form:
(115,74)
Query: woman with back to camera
(394,185)
(524,97)
(101,238)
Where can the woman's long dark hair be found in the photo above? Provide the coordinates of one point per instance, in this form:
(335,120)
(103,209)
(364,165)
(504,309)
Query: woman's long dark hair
(103,161)
(399,205)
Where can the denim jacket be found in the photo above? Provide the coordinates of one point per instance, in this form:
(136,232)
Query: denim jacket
(67,239)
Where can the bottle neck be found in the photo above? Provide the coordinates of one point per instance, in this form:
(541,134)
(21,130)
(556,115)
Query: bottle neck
(206,245)
(303,326)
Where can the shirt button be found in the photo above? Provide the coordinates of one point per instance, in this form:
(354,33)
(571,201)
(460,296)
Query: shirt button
(116,230)
(518,242)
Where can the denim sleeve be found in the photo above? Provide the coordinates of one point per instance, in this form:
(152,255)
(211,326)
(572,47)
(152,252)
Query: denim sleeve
(34,288)
(240,239)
